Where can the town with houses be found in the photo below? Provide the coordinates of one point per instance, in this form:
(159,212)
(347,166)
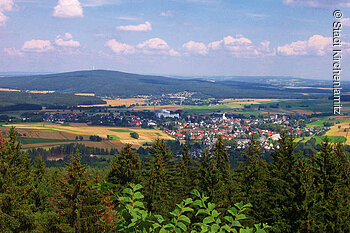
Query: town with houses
(201,128)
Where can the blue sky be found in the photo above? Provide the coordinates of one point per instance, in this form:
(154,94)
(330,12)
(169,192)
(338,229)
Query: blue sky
(176,37)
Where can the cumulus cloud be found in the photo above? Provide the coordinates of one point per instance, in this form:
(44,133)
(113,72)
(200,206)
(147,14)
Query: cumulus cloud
(316,45)
(345,22)
(240,46)
(5,6)
(120,48)
(156,46)
(167,13)
(193,47)
(153,46)
(96,3)
(13,52)
(66,40)
(68,9)
(37,46)
(127,18)
(318,3)
(137,28)
(257,16)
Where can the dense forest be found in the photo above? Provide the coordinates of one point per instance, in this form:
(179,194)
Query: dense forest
(12,100)
(293,193)
(129,85)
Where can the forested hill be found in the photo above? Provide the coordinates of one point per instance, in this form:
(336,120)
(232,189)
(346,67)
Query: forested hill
(114,83)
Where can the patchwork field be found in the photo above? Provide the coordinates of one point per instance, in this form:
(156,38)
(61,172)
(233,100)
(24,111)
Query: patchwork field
(46,134)
(340,129)
(249,101)
(119,102)
(159,108)
(319,139)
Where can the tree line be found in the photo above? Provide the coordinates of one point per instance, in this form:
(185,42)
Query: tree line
(294,193)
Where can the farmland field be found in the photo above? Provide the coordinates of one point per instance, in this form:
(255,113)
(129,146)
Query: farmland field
(319,139)
(45,134)
(118,102)
(340,129)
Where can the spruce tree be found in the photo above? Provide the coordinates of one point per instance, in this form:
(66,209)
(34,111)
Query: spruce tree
(254,181)
(15,186)
(159,178)
(125,168)
(329,198)
(225,187)
(287,194)
(185,174)
(77,201)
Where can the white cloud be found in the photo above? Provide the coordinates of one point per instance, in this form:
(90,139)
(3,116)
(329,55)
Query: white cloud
(13,52)
(318,3)
(37,46)
(127,18)
(167,13)
(66,40)
(154,43)
(257,16)
(68,9)
(137,28)
(345,22)
(120,48)
(240,46)
(195,48)
(156,46)
(5,6)
(316,45)
(95,3)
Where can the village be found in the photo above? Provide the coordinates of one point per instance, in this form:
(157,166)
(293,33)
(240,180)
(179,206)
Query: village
(201,128)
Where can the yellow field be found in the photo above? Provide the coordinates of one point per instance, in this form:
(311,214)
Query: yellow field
(344,130)
(85,94)
(41,92)
(119,135)
(8,89)
(248,101)
(159,107)
(118,102)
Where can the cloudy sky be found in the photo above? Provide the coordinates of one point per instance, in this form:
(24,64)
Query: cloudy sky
(174,37)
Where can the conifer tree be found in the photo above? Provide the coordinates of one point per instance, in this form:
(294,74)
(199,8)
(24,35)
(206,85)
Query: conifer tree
(76,202)
(15,186)
(254,181)
(287,195)
(185,174)
(329,198)
(159,178)
(225,188)
(207,172)
(125,168)
(41,191)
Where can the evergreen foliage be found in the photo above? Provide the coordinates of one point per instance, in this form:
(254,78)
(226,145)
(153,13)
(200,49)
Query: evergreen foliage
(295,193)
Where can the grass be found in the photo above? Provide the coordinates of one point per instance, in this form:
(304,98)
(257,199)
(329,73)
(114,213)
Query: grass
(114,137)
(121,130)
(25,141)
(319,123)
(118,135)
(319,139)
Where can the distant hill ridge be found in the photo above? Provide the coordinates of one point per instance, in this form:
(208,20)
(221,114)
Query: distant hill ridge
(115,83)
